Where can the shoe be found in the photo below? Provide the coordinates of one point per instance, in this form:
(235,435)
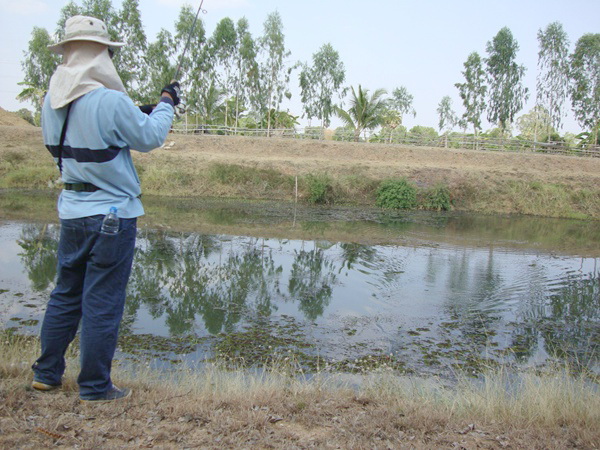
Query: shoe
(113,394)
(39,386)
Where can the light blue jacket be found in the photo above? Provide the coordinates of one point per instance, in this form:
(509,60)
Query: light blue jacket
(104,125)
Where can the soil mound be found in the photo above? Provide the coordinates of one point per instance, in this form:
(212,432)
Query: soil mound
(12,119)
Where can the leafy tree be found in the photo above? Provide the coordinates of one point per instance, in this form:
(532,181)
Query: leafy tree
(69,10)
(129,60)
(196,74)
(159,67)
(365,112)
(39,65)
(223,47)
(534,123)
(585,87)
(473,92)
(447,116)
(320,82)
(402,102)
(422,134)
(103,10)
(553,73)
(245,66)
(27,115)
(507,93)
(274,76)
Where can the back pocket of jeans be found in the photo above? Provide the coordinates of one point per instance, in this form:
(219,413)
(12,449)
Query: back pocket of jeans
(106,249)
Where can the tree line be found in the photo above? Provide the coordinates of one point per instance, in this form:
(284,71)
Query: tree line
(235,79)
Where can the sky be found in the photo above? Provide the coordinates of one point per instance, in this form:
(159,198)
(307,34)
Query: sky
(421,45)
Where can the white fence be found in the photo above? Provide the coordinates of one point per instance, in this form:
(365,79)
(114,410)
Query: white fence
(462,142)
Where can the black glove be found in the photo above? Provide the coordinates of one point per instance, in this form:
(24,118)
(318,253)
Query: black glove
(147,109)
(173,90)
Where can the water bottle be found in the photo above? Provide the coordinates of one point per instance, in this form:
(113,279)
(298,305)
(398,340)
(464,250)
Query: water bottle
(110,224)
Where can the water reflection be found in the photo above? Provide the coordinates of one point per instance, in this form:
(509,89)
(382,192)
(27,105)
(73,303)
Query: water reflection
(39,244)
(455,303)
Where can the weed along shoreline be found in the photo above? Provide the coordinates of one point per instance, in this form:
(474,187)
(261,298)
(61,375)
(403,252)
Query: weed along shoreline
(279,407)
(338,173)
(489,203)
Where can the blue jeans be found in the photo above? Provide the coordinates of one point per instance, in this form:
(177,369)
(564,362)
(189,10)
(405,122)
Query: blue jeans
(93,270)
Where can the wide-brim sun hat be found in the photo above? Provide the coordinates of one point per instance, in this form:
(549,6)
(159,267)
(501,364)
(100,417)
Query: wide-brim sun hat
(84,28)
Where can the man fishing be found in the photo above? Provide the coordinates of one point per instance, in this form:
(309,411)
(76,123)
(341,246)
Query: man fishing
(89,126)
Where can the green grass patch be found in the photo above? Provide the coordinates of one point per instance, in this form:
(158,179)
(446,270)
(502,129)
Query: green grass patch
(29,177)
(232,174)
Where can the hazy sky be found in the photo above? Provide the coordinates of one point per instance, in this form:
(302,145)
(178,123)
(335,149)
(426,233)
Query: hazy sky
(421,45)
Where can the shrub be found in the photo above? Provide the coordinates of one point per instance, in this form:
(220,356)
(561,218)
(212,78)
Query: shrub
(320,190)
(397,194)
(438,198)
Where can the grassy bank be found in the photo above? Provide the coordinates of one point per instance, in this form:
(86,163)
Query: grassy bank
(213,408)
(336,173)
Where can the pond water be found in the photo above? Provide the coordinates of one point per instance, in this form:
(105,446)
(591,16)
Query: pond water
(344,290)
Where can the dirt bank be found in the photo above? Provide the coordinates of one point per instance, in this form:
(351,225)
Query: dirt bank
(263,168)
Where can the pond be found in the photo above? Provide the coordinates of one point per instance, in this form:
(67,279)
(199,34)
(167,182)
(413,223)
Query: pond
(337,289)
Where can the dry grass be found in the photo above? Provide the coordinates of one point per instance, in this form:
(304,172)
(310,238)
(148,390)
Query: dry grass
(212,408)
(260,168)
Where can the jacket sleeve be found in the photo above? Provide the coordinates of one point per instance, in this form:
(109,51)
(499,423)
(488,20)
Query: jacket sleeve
(140,131)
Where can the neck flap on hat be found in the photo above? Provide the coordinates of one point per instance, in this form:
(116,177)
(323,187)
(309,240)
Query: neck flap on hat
(86,66)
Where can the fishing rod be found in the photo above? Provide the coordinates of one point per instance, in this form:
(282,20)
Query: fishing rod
(187,44)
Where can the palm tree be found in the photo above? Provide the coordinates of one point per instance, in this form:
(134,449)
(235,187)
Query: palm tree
(366,112)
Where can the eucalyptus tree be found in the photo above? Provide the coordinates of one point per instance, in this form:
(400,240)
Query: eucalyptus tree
(447,117)
(103,10)
(553,73)
(130,58)
(585,86)
(320,82)
(246,67)
(69,10)
(223,47)
(160,69)
(473,92)
(366,111)
(38,65)
(274,76)
(506,91)
(196,72)
(402,101)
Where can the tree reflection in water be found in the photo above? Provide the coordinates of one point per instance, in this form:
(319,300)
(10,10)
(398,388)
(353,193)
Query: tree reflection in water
(225,281)
(567,322)
(39,243)
(311,280)
(180,277)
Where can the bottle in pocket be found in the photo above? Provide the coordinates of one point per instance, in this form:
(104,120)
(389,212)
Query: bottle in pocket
(110,224)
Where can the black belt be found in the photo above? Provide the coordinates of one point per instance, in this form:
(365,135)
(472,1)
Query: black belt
(81,187)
